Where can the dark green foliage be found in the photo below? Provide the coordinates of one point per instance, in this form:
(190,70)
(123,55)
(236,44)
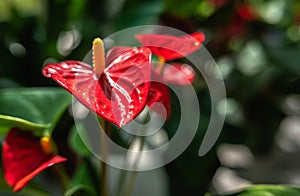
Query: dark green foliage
(264,69)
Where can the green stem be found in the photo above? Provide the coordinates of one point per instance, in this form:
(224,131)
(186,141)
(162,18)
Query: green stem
(104,153)
(122,178)
(134,173)
(63,176)
(103,182)
(124,173)
(131,183)
(58,169)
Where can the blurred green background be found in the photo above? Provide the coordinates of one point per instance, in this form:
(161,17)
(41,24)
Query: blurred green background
(256,45)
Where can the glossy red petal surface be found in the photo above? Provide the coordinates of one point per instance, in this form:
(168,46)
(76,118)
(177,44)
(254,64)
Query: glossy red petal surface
(171,47)
(114,52)
(159,93)
(177,73)
(121,91)
(23,158)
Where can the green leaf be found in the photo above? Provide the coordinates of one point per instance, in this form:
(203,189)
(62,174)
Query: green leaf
(86,175)
(76,142)
(181,8)
(268,190)
(137,12)
(33,109)
(79,190)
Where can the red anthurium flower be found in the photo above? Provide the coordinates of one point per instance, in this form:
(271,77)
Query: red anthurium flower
(168,47)
(159,93)
(247,12)
(177,73)
(115,89)
(24,156)
(171,47)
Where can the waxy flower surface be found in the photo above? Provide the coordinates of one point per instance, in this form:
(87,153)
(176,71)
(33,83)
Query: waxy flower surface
(24,156)
(116,88)
(158,92)
(177,73)
(171,47)
(168,47)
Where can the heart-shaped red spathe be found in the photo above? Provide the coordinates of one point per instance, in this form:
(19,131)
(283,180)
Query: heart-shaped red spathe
(119,94)
(23,158)
(159,93)
(177,73)
(171,47)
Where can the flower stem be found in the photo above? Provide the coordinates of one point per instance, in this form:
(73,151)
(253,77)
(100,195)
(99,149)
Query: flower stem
(63,176)
(104,154)
(103,182)
(49,146)
(129,187)
(122,178)
(136,163)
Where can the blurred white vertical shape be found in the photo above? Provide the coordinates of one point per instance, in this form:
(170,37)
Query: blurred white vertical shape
(231,109)
(67,41)
(235,156)
(291,104)
(251,59)
(136,157)
(272,11)
(17,49)
(78,110)
(226,180)
(227,106)
(288,137)
(158,139)
(147,183)
(225,67)
(140,155)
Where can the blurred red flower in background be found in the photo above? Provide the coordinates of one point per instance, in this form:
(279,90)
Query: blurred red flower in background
(24,156)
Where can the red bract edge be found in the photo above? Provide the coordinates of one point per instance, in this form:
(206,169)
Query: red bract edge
(119,94)
(177,73)
(172,47)
(159,93)
(23,158)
